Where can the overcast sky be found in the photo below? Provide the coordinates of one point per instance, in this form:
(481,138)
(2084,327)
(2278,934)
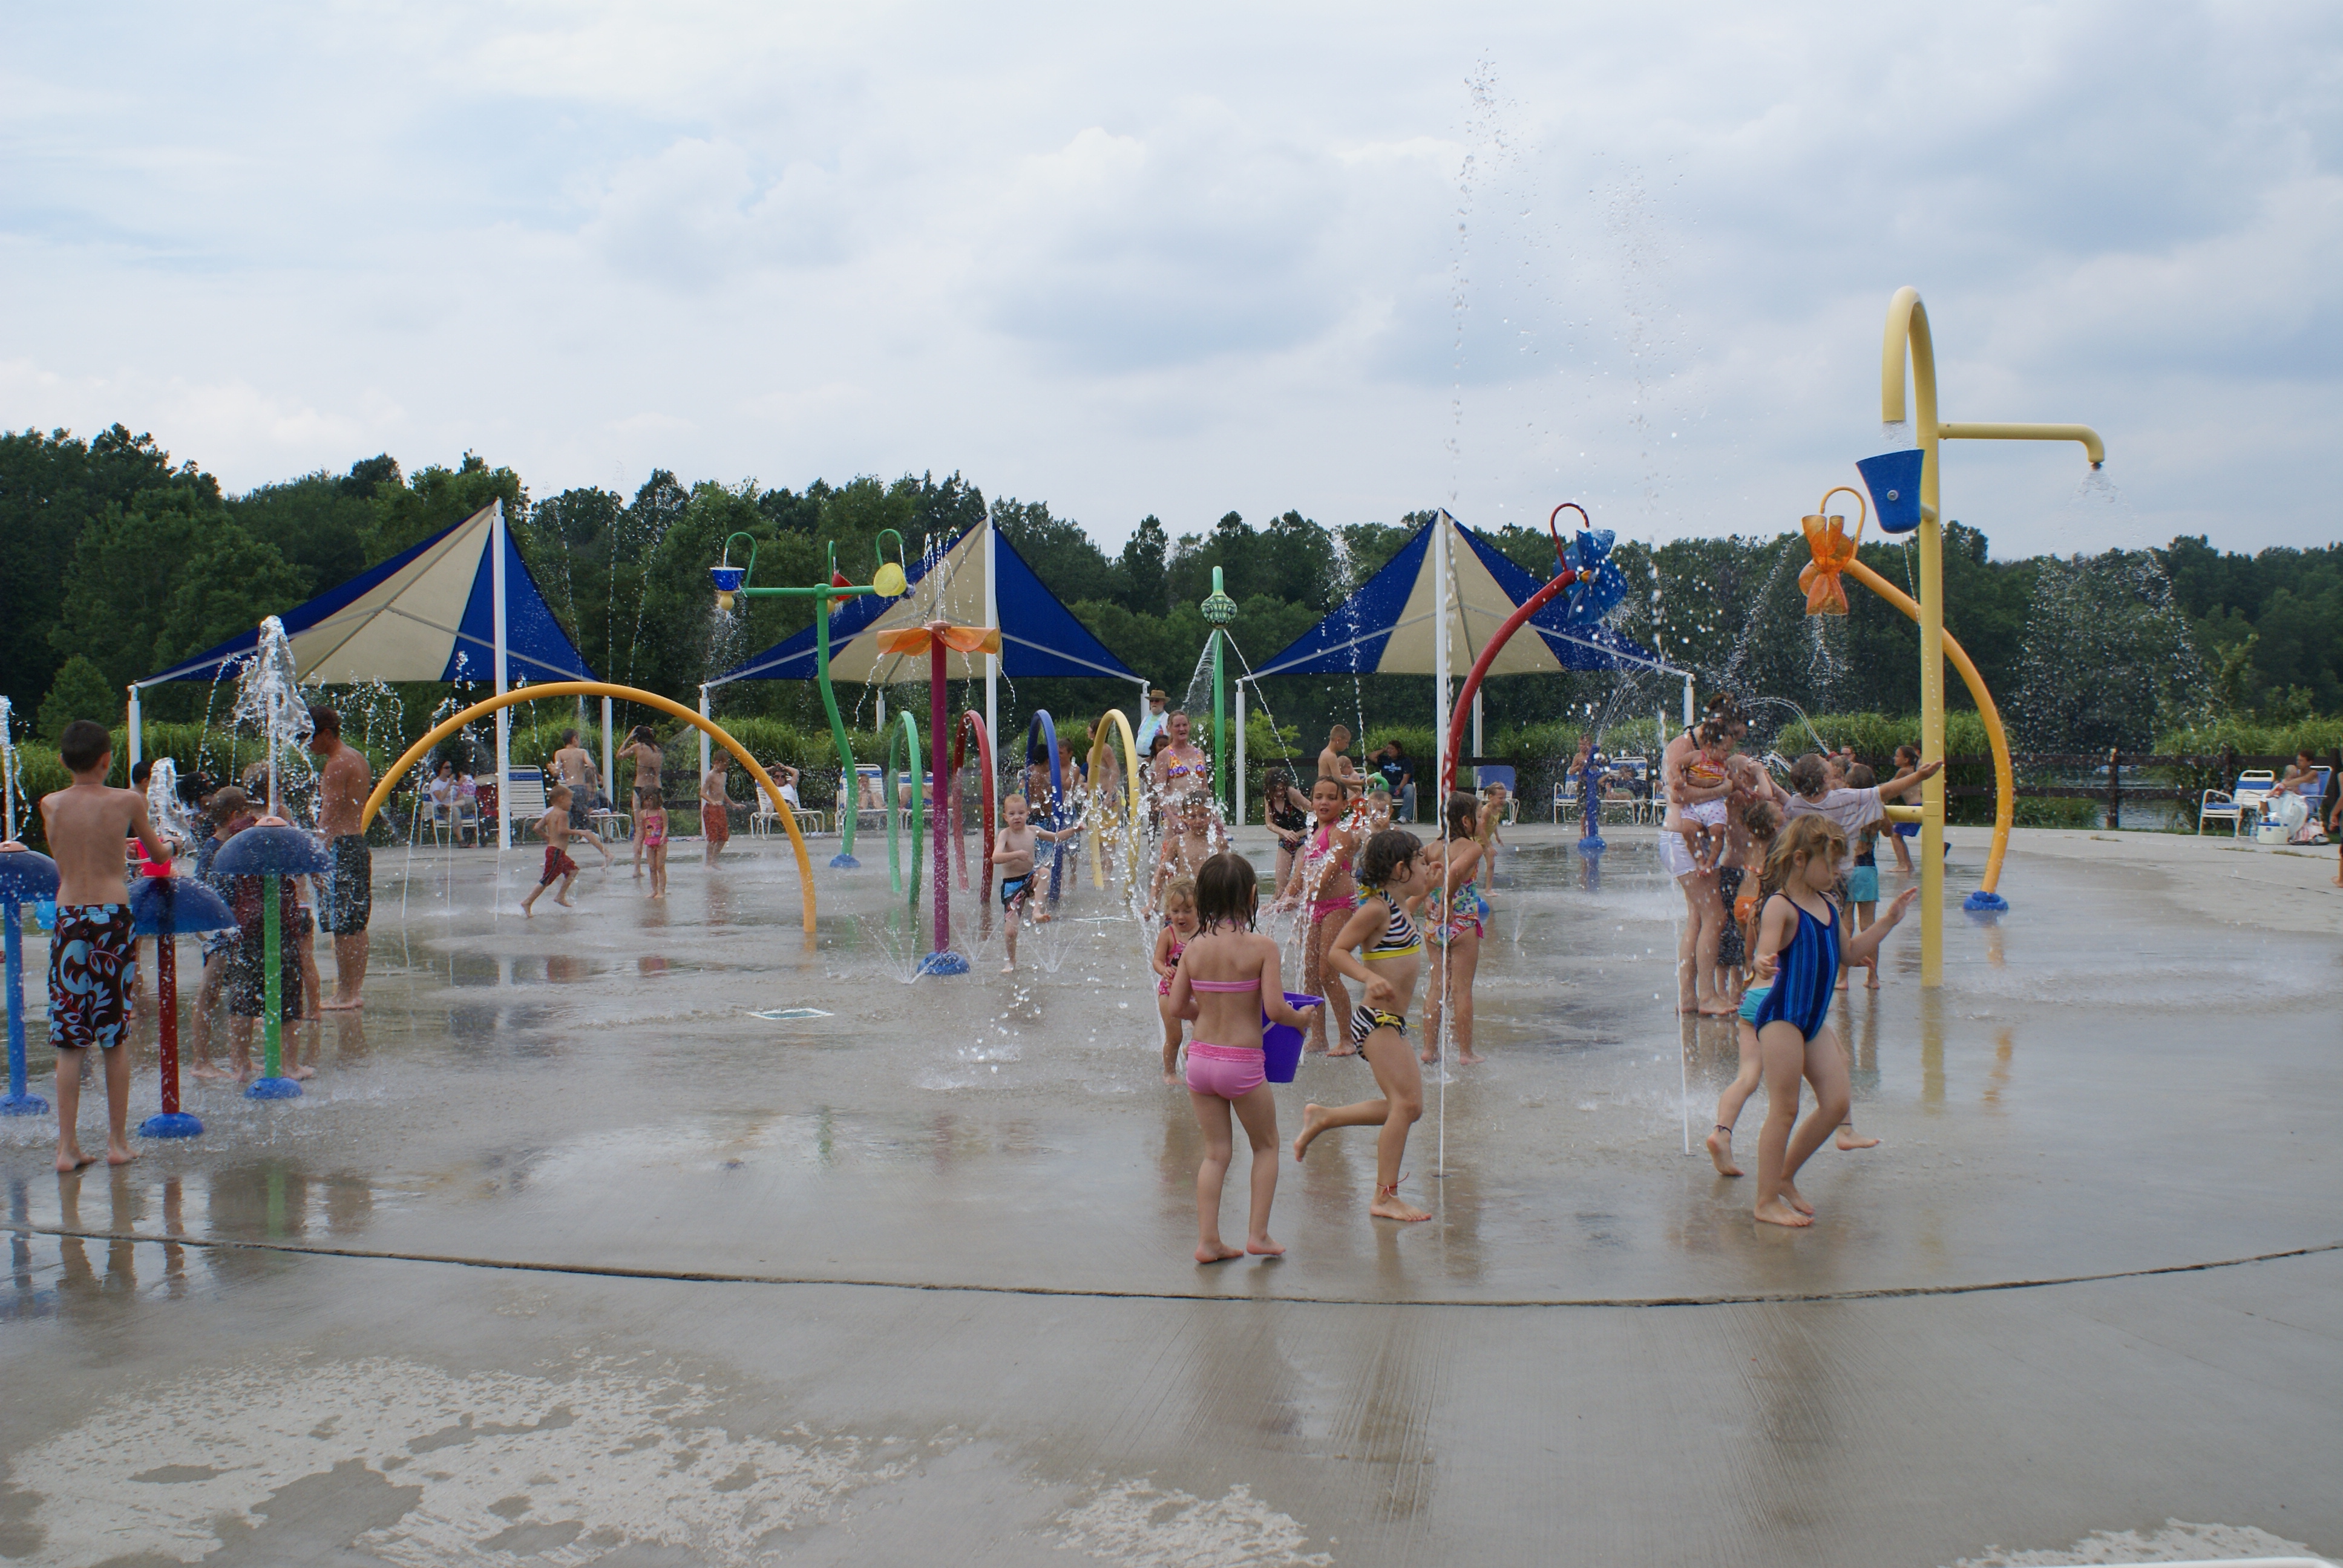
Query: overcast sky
(1351,259)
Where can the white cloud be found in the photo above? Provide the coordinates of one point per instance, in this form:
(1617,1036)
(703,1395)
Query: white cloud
(1137,263)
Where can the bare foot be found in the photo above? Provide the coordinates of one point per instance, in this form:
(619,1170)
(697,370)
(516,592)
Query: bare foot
(300,1072)
(1469,1060)
(1798,1200)
(1717,1009)
(528,912)
(1263,1247)
(1774,1211)
(1841,979)
(243,1071)
(1218,1252)
(1314,1122)
(206,1070)
(1872,984)
(120,1153)
(72,1159)
(1390,1205)
(1010,968)
(1171,1078)
(1850,1139)
(1343,1050)
(339,1006)
(1427,1057)
(1719,1149)
(565,904)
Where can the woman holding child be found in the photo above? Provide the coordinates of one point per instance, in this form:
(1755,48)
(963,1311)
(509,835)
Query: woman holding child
(1704,933)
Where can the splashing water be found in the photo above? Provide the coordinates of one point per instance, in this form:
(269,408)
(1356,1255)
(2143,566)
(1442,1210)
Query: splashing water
(269,702)
(8,768)
(163,807)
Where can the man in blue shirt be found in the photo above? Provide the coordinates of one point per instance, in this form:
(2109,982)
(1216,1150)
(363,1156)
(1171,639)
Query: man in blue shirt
(1151,724)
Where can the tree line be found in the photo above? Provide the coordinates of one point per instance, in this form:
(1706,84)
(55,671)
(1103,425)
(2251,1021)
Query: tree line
(115,561)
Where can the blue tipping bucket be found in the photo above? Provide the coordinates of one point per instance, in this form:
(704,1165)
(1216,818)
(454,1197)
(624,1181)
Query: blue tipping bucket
(1893,481)
(1280,1043)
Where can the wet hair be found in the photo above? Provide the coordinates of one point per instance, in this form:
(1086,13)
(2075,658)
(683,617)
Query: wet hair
(324,720)
(84,745)
(1905,756)
(447,762)
(1462,817)
(1386,852)
(225,802)
(1183,889)
(1276,784)
(1807,777)
(1762,818)
(140,771)
(1804,839)
(1158,744)
(1226,890)
(1861,777)
(640,735)
(1017,795)
(559,792)
(1713,732)
(1336,784)
(567,736)
(721,760)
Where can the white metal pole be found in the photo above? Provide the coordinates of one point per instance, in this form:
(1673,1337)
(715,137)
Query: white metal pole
(1687,701)
(1239,779)
(992,660)
(134,730)
(504,715)
(610,779)
(882,715)
(703,736)
(1476,723)
(1439,650)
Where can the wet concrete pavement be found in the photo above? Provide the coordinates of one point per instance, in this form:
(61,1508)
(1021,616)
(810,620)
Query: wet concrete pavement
(664,1365)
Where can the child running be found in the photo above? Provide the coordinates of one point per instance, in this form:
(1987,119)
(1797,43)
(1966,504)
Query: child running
(1227,978)
(1454,929)
(555,829)
(714,813)
(1179,930)
(1014,853)
(1379,948)
(1798,943)
(650,843)
(93,963)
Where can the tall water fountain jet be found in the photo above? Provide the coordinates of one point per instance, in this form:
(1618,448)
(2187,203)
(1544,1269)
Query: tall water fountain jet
(268,698)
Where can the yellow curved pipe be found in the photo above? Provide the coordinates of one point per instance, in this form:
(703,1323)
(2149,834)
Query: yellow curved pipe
(2004,781)
(1131,809)
(416,752)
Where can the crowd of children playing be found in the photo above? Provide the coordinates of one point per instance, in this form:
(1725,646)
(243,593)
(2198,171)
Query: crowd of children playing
(1782,887)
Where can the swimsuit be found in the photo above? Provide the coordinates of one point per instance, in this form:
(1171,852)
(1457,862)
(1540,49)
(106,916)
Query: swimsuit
(349,894)
(1806,974)
(1863,881)
(93,962)
(557,866)
(1367,1019)
(1466,909)
(246,981)
(1316,854)
(1751,1001)
(654,831)
(1013,889)
(1163,982)
(1228,1071)
(1399,941)
(715,824)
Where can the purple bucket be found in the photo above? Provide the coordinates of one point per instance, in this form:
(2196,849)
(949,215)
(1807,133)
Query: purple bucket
(1280,1043)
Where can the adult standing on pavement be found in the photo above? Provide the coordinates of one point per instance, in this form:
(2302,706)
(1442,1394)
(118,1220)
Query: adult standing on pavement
(1181,767)
(1152,723)
(344,781)
(575,765)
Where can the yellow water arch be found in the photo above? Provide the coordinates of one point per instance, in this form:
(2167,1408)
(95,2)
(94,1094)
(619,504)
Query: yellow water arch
(416,753)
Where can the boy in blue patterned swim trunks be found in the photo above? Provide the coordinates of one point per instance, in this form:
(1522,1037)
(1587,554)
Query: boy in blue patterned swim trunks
(93,958)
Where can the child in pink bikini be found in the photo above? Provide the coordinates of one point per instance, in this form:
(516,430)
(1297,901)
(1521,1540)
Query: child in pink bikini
(1227,977)
(1179,930)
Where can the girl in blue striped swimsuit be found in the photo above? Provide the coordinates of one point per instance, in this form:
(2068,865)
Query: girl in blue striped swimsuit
(1798,941)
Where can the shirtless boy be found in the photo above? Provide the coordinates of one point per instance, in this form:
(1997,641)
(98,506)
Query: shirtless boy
(344,781)
(91,964)
(1014,853)
(575,766)
(555,829)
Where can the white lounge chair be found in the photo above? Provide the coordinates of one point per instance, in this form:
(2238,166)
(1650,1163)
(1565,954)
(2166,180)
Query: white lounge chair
(2250,794)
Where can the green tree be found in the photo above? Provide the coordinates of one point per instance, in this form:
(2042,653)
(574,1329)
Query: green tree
(438,497)
(320,523)
(80,692)
(52,488)
(1144,589)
